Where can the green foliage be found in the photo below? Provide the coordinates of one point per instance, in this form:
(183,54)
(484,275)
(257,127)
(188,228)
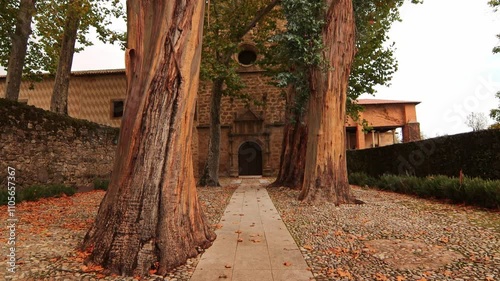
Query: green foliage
(298,48)
(470,191)
(44,44)
(362,179)
(101,184)
(495,113)
(8,14)
(226,24)
(495,4)
(35,192)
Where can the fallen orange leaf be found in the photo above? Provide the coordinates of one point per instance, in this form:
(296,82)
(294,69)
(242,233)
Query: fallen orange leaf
(344,273)
(381,277)
(308,247)
(444,239)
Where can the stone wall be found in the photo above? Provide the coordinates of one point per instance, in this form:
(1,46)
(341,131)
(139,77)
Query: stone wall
(45,147)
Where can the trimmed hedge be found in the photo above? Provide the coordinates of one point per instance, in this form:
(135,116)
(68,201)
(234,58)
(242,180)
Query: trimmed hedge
(35,192)
(471,191)
(477,154)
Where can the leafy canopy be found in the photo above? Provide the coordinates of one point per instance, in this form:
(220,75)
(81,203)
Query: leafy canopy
(495,4)
(226,26)
(44,44)
(495,113)
(298,48)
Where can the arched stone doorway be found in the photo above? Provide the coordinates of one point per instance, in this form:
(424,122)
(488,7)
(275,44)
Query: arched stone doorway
(250,159)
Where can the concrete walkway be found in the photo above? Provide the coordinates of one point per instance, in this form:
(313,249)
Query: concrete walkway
(253,243)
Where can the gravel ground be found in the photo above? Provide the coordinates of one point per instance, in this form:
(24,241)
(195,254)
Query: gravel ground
(393,237)
(49,231)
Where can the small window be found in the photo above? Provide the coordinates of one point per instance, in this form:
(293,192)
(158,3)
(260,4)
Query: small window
(117,110)
(247,57)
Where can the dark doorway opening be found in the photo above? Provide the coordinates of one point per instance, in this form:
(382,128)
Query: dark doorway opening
(250,159)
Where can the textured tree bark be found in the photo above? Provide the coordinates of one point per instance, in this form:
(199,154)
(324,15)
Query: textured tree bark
(150,216)
(325,177)
(293,155)
(210,176)
(59,100)
(18,49)
(293,148)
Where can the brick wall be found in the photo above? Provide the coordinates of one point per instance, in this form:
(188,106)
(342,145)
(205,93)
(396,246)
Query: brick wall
(257,86)
(271,109)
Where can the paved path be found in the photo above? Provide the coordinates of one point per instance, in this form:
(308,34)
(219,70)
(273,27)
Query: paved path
(253,243)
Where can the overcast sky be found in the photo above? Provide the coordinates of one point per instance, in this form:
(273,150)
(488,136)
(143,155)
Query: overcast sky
(445,61)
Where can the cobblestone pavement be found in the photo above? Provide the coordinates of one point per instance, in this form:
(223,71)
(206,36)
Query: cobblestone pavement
(393,237)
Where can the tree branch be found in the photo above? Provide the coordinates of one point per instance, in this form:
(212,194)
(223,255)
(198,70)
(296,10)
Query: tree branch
(260,14)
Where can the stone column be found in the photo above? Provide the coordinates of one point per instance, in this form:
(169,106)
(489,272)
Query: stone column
(233,157)
(373,138)
(411,132)
(360,137)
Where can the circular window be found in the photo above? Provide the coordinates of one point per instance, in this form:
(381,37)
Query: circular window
(247,57)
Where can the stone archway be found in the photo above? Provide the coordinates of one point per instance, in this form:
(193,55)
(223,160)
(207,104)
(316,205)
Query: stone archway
(250,159)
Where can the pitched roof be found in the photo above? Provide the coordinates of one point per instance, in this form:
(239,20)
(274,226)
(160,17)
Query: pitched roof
(380,101)
(87,72)
(98,71)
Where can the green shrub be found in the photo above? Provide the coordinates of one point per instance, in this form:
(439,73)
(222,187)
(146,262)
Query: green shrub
(35,192)
(362,179)
(485,193)
(471,191)
(101,184)
(4,197)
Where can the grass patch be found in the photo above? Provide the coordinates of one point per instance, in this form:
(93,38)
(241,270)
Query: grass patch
(35,192)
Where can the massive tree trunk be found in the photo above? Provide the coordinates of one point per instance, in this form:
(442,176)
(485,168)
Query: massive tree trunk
(210,176)
(293,148)
(150,215)
(325,177)
(18,49)
(59,100)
